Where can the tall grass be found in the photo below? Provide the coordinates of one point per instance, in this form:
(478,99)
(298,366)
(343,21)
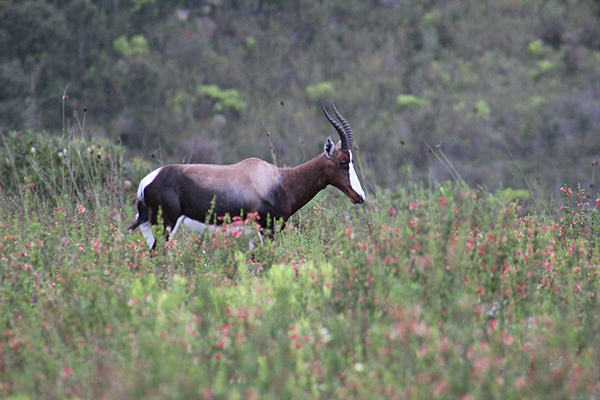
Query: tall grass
(420,293)
(91,172)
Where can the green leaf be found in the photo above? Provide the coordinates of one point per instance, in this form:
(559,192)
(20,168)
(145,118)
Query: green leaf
(409,100)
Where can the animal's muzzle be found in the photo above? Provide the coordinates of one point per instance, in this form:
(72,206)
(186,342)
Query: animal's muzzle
(358,200)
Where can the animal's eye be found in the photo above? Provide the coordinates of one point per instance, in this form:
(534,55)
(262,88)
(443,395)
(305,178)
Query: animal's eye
(344,163)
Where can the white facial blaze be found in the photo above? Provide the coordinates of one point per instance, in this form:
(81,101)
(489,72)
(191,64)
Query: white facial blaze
(354,180)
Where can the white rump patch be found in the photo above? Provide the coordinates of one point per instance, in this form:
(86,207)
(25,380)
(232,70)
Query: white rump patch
(354,180)
(148,179)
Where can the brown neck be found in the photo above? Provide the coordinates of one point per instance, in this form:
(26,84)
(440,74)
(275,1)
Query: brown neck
(303,182)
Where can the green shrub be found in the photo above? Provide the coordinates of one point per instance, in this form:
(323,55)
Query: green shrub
(137,46)
(229,99)
(482,109)
(410,100)
(322,91)
(52,167)
(537,49)
(544,67)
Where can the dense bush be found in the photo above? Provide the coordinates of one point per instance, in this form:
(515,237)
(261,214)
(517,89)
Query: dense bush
(56,167)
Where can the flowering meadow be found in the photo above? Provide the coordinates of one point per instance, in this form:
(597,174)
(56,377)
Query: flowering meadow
(423,292)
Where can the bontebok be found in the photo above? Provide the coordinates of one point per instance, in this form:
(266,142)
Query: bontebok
(188,193)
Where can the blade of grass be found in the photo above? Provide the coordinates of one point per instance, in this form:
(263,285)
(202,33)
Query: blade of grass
(523,175)
(451,170)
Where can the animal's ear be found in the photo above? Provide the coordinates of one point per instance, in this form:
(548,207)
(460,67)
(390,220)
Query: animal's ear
(329,147)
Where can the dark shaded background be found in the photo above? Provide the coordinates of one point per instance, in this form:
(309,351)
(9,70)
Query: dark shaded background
(202,81)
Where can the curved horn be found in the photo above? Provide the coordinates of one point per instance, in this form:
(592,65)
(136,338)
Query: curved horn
(345,124)
(338,128)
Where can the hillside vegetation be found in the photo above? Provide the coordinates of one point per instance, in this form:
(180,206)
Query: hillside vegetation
(203,81)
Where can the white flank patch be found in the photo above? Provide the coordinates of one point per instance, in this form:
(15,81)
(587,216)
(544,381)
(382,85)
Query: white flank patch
(354,180)
(196,226)
(146,181)
(192,224)
(200,227)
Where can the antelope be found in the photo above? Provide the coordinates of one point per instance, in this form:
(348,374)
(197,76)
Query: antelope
(190,193)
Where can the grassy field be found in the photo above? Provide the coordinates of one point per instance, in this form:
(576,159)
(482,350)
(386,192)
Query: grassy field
(441,292)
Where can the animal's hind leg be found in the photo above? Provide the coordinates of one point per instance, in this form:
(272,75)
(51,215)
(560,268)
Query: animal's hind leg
(170,213)
(146,229)
(179,220)
(170,229)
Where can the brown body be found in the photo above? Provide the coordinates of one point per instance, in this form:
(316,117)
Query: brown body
(197,191)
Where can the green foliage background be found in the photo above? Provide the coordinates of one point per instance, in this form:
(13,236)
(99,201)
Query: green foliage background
(203,81)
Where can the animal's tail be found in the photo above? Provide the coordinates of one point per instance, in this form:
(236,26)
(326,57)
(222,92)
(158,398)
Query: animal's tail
(142,214)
